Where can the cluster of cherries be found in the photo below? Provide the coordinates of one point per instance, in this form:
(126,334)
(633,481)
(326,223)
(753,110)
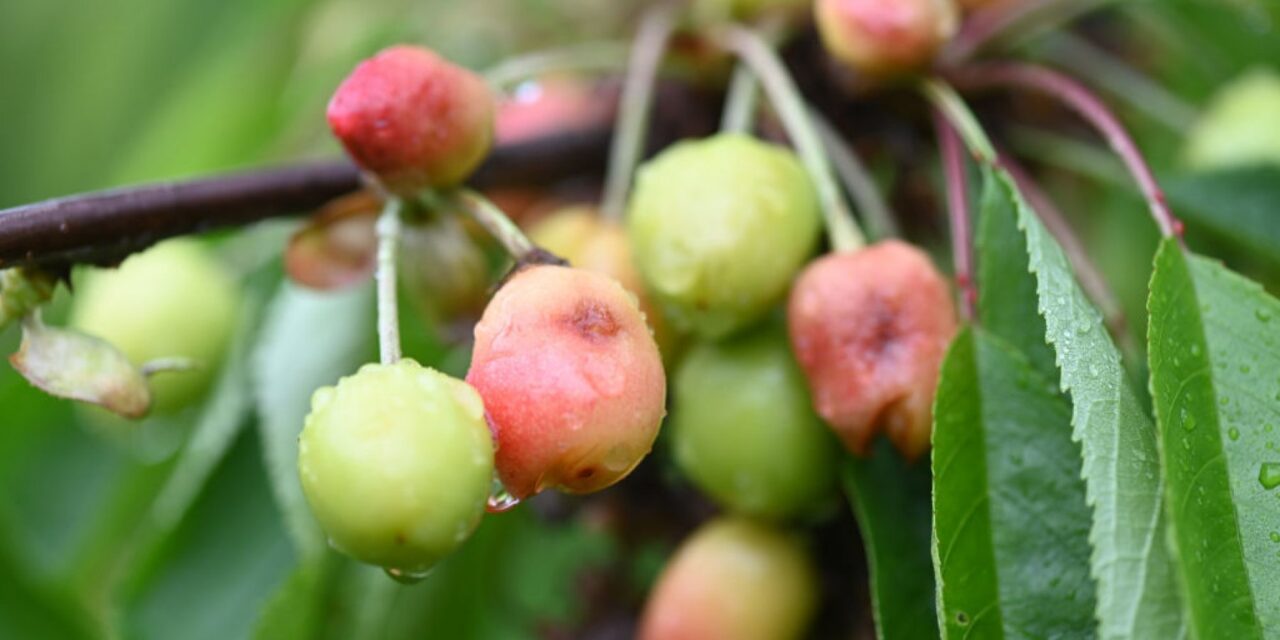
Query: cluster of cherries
(567,385)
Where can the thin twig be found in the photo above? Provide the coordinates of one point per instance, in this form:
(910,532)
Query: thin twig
(104,227)
(1080,99)
(388,228)
(876,213)
(953,170)
(790,107)
(953,108)
(635,102)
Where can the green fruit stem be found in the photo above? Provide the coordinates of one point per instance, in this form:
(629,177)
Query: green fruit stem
(635,103)
(740,102)
(785,97)
(857,181)
(494,221)
(957,113)
(953,170)
(388,229)
(1080,99)
(603,56)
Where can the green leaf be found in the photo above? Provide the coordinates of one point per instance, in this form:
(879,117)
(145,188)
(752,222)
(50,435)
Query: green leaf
(223,562)
(1136,590)
(891,502)
(1006,288)
(1237,205)
(1011,527)
(296,610)
(1215,378)
(309,340)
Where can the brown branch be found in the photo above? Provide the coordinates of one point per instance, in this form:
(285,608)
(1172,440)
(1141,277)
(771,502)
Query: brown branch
(104,227)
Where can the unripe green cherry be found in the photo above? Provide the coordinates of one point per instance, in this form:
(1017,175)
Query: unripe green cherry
(1240,126)
(396,463)
(744,429)
(881,38)
(173,300)
(720,227)
(572,381)
(733,579)
(413,119)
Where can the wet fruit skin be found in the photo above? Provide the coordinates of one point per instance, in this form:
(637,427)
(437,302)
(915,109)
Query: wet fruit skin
(173,300)
(571,379)
(720,227)
(733,579)
(885,37)
(396,462)
(744,430)
(413,119)
(589,241)
(870,329)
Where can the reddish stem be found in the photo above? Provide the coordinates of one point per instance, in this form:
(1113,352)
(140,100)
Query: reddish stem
(1083,101)
(952,153)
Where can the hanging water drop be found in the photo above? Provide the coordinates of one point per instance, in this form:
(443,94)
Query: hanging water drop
(500,499)
(407,576)
(1269,475)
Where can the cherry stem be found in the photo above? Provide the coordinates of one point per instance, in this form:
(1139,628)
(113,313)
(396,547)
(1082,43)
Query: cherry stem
(953,170)
(586,57)
(953,108)
(857,181)
(1087,105)
(787,102)
(494,221)
(1087,272)
(988,24)
(635,103)
(388,230)
(741,102)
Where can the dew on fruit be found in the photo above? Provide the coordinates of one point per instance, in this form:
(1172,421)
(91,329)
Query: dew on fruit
(407,576)
(1269,475)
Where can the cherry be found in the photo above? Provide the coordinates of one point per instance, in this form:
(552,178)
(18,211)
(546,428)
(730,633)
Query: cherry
(720,227)
(733,579)
(744,429)
(592,242)
(571,378)
(396,462)
(885,37)
(413,119)
(870,329)
(173,300)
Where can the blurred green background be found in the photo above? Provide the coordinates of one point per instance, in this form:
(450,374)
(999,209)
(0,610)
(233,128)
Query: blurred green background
(103,535)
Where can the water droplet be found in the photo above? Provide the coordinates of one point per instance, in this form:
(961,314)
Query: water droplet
(1093,370)
(1224,401)
(1269,475)
(406,576)
(962,618)
(1264,315)
(1188,420)
(1186,444)
(1083,327)
(1244,368)
(500,499)
(1195,350)
(1275,536)
(1233,433)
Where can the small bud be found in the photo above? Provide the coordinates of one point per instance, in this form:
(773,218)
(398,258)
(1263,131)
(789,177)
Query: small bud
(413,120)
(885,37)
(733,580)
